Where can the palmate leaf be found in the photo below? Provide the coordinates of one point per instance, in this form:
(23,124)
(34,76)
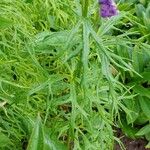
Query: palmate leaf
(108,24)
(113,58)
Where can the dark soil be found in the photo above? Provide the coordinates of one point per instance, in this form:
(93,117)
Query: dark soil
(130,144)
(138,144)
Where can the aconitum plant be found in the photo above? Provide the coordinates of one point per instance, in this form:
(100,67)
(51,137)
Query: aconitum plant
(108,8)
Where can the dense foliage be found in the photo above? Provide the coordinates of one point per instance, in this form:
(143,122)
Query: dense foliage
(69,78)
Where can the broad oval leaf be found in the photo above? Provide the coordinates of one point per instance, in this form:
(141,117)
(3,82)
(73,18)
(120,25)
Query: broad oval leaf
(145,106)
(144,130)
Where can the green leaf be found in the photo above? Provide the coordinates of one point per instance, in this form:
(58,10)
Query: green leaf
(29,1)
(106,66)
(148,12)
(138,59)
(148,145)
(144,130)
(128,130)
(147,19)
(147,136)
(4,140)
(108,24)
(38,88)
(145,77)
(142,119)
(49,145)
(85,52)
(132,117)
(36,141)
(140,10)
(5,23)
(145,105)
(134,108)
(53,39)
(40,139)
(142,91)
(53,144)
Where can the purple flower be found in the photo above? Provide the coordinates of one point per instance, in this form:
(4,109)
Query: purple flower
(105,1)
(108,8)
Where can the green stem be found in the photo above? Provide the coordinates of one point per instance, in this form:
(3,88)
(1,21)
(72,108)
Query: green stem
(85,4)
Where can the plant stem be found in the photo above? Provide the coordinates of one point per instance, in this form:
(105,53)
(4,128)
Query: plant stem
(85,4)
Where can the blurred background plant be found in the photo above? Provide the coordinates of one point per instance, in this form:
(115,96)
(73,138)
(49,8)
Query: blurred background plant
(67,76)
(136,123)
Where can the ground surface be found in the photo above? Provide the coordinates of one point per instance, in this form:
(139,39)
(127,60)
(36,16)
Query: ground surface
(130,144)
